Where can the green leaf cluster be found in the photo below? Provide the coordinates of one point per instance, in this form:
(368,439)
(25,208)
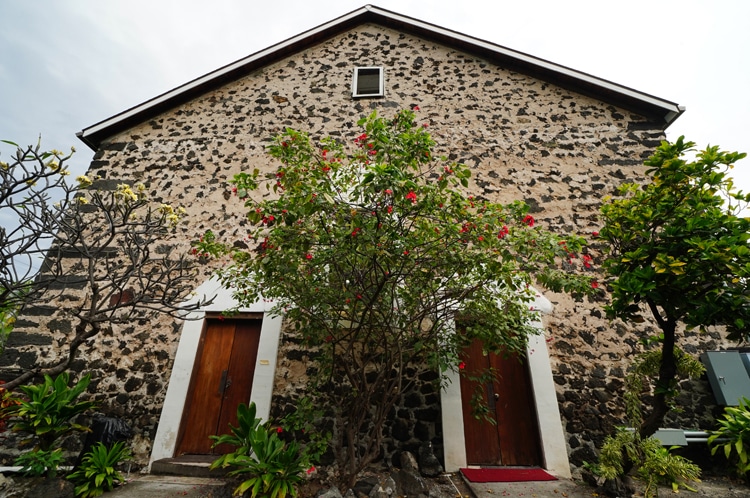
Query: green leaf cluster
(240,437)
(733,436)
(40,462)
(679,243)
(7,320)
(373,249)
(98,472)
(275,467)
(642,376)
(48,409)
(655,464)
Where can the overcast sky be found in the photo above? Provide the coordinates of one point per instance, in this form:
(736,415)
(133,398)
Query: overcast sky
(65,65)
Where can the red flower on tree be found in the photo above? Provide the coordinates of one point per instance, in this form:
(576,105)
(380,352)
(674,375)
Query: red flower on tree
(529,220)
(462,365)
(411,196)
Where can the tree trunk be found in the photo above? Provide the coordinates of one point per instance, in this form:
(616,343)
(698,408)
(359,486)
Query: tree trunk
(664,384)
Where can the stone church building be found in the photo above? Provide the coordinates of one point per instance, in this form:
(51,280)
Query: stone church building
(531,130)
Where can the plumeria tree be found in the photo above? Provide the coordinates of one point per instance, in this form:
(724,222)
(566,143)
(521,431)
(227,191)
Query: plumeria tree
(33,192)
(373,251)
(678,251)
(106,255)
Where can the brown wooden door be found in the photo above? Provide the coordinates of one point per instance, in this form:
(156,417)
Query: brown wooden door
(222,379)
(514,439)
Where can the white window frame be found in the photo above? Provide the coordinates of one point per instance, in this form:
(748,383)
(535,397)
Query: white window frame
(381,82)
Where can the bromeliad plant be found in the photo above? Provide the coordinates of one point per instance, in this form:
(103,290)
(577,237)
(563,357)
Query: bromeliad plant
(98,472)
(371,252)
(275,467)
(733,437)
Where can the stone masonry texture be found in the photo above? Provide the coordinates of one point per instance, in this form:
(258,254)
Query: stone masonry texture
(526,139)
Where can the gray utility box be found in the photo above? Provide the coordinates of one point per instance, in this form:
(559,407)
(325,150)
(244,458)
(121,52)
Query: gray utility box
(728,375)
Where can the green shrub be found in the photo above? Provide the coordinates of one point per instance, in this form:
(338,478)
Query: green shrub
(40,462)
(97,472)
(240,437)
(661,466)
(626,449)
(46,414)
(49,408)
(733,435)
(275,467)
(654,463)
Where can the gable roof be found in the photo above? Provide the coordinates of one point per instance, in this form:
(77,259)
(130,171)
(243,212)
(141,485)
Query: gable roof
(660,111)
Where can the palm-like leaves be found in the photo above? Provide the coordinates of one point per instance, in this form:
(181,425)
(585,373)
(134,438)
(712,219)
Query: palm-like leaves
(733,436)
(97,472)
(49,409)
(275,467)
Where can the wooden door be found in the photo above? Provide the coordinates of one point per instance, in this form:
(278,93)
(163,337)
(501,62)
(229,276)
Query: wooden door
(514,439)
(222,379)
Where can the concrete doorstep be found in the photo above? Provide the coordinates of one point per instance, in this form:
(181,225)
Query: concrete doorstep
(163,486)
(562,488)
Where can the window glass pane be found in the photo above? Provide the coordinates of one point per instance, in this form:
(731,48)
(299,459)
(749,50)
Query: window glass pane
(368,81)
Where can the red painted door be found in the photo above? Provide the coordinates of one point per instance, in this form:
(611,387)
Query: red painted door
(513,440)
(222,379)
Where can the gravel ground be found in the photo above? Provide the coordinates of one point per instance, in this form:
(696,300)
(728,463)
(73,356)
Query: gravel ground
(564,488)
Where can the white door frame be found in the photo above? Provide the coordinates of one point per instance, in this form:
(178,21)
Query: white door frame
(554,448)
(165,440)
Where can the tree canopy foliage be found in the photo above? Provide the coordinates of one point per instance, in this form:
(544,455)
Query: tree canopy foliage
(373,250)
(679,246)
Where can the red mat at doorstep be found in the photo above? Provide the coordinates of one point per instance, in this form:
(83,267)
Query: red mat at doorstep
(507,474)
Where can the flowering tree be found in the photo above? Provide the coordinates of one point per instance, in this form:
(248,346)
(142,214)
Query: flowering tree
(106,259)
(373,252)
(680,247)
(30,184)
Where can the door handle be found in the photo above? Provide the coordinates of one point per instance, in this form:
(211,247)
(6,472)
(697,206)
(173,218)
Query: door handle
(497,396)
(223,382)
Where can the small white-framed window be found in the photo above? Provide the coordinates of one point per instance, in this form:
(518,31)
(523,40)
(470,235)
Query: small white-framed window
(368,82)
